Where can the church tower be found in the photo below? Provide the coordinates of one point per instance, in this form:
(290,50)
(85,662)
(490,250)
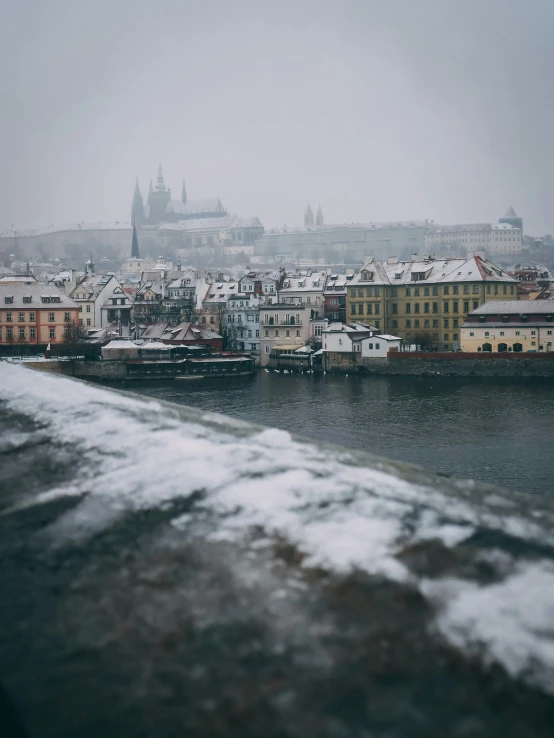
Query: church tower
(158,200)
(134,244)
(184,193)
(137,208)
(319,216)
(308,216)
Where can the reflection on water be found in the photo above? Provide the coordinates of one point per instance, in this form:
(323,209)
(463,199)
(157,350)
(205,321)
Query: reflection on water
(498,430)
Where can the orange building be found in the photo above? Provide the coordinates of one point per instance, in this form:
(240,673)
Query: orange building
(34,313)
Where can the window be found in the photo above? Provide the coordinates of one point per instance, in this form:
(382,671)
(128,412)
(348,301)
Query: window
(370,346)
(446,290)
(252,347)
(21,317)
(436,325)
(287,333)
(32,318)
(52,333)
(408,292)
(466,306)
(517,333)
(377,346)
(475,304)
(445,323)
(51,317)
(9,333)
(454,322)
(426,323)
(408,324)
(369,292)
(416,292)
(416,307)
(426,291)
(435,293)
(67,317)
(395,324)
(377,292)
(501,333)
(276,331)
(297,333)
(425,307)
(394,292)
(80,321)
(455,289)
(466,289)
(377,308)
(435,307)
(454,336)
(257,334)
(488,289)
(394,308)
(369,308)
(267,349)
(22,333)
(445,337)
(408,308)
(486,334)
(88,308)
(416,323)
(475,289)
(455,306)
(533,333)
(8,300)
(472,334)
(548,333)
(8,317)
(445,306)
(505,289)
(88,321)
(32,333)
(266,332)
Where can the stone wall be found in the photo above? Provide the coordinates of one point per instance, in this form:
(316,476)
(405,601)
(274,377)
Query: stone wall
(104,369)
(456,365)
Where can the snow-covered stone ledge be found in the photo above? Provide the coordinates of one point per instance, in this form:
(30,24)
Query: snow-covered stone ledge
(166,571)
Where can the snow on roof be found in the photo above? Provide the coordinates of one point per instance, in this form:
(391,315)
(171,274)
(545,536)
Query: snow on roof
(121,344)
(434,271)
(155,346)
(515,307)
(387,337)
(101,226)
(27,296)
(193,207)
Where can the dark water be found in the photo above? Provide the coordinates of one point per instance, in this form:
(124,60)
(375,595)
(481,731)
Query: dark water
(499,430)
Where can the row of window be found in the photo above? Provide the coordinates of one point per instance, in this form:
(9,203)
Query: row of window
(433,291)
(428,307)
(23,334)
(249,335)
(276,334)
(445,337)
(427,323)
(518,333)
(32,317)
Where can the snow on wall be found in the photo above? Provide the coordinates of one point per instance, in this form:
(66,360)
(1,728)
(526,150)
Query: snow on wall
(343,510)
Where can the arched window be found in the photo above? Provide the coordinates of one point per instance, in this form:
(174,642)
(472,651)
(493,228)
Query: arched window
(487,347)
(502,347)
(518,347)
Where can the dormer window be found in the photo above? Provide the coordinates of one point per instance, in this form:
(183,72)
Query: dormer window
(8,300)
(27,299)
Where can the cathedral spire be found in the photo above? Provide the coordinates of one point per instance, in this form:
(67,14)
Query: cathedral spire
(137,208)
(134,244)
(319,216)
(308,216)
(184,193)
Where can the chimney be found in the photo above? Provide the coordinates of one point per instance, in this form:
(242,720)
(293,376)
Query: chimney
(415,257)
(392,260)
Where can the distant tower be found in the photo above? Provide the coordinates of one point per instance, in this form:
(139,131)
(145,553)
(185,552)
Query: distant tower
(319,216)
(512,219)
(137,208)
(158,200)
(134,244)
(308,216)
(89,266)
(184,193)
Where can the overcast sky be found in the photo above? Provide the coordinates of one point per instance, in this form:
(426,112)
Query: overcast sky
(378,109)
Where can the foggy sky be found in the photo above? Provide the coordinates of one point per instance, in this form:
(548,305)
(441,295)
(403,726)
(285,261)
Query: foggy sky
(378,109)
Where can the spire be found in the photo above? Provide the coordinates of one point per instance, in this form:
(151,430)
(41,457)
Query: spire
(184,193)
(319,216)
(160,185)
(137,208)
(134,244)
(151,184)
(308,216)
(511,213)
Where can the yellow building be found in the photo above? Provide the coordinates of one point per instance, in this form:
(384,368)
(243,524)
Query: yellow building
(34,314)
(425,302)
(505,325)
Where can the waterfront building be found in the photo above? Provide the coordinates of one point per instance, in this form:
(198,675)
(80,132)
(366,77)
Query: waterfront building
(243,318)
(334,295)
(93,293)
(509,326)
(283,327)
(425,301)
(214,304)
(304,288)
(33,314)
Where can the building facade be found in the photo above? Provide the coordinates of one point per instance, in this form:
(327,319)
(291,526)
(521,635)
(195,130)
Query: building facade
(283,327)
(510,326)
(32,314)
(425,302)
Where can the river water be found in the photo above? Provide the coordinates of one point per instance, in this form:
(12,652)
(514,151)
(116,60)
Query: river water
(499,431)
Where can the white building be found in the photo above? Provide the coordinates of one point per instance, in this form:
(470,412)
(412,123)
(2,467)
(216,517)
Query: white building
(304,288)
(345,337)
(378,346)
(243,315)
(495,238)
(94,292)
